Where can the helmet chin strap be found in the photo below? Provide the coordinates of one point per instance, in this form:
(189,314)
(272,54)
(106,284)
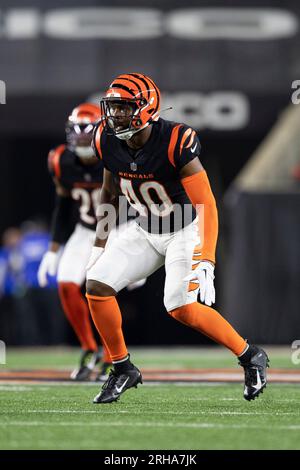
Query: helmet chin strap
(126,135)
(84,152)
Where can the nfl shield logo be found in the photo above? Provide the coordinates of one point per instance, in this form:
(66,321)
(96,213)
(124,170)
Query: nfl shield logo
(133,166)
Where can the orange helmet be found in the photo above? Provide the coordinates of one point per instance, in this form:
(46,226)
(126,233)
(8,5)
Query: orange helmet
(133,96)
(79,128)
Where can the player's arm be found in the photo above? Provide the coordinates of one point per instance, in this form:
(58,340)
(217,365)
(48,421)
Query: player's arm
(107,209)
(108,195)
(106,213)
(184,151)
(196,184)
(60,231)
(60,224)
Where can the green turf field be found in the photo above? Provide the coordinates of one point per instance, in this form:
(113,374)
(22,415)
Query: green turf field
(161,416)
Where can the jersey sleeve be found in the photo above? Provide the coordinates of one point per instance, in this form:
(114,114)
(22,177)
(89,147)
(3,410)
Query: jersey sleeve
(54,161)
(99,143)
(96,141)
(186,145)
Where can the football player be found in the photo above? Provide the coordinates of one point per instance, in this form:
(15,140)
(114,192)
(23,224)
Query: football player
(156,164)
(77,175)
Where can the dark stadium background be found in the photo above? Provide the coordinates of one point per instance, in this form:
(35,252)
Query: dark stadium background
(47,74)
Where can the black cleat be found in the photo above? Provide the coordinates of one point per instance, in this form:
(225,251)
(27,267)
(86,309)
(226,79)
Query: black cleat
(102,375)
(255,373)
(88,360)
(117,384)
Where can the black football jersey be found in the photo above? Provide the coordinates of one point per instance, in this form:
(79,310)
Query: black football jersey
(83,181)
(149,178)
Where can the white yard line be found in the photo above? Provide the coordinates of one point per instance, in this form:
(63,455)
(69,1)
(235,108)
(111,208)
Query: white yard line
(101,424)
(101,411)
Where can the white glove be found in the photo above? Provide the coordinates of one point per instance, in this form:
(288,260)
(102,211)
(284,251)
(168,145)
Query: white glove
(204,273)
(95,255)
(48,265)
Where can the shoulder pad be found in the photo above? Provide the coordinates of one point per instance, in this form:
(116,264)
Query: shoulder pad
(54,160)
(184,145)
(96,143)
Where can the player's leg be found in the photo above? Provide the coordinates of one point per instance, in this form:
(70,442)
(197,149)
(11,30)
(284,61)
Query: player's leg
(70,276)
(117,232)
(129,258)
(181,302)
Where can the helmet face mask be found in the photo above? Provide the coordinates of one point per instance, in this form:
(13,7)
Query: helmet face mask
(131,104)
(120,116)
(80,127)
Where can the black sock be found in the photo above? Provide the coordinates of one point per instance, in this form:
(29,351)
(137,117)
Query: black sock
(124,366)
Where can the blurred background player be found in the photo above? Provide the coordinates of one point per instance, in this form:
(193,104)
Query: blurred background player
(77,175)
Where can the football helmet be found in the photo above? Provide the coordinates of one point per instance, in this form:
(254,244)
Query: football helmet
(79,129)
(131,103)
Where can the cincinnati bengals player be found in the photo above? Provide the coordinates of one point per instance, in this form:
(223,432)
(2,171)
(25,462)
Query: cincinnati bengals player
(156,165)
(77,175)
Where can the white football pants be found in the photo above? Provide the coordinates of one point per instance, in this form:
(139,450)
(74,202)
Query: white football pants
(76,254)
(135,254)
